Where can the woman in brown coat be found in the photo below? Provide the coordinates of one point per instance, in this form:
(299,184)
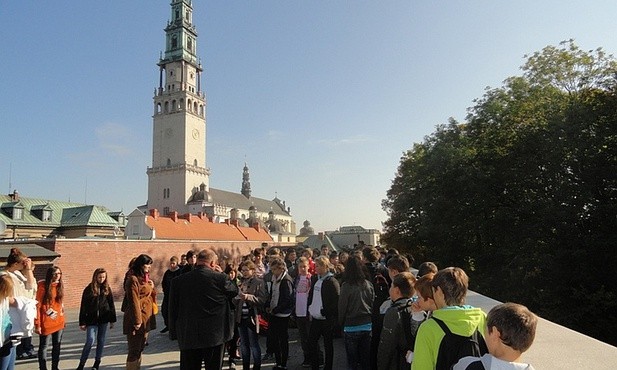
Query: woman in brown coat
(139,291)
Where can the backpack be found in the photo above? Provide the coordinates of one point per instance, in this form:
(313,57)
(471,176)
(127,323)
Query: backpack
(476,365)
(453,347)
(410,338)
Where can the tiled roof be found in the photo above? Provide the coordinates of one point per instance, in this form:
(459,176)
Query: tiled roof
(237,200)
(86,215)
(202,228)
(30,250)
(63,213)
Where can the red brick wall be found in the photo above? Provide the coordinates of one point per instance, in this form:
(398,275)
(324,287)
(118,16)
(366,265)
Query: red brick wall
(79,259)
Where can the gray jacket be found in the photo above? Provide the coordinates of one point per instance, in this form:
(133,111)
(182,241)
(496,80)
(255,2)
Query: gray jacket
(355,304)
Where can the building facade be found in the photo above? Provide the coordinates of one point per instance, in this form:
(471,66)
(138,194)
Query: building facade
(178,179)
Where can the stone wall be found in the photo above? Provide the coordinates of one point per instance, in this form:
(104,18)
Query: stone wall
(80,257)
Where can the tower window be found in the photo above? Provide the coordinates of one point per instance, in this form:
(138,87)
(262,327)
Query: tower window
(168,162)
(174,41)
(195,162)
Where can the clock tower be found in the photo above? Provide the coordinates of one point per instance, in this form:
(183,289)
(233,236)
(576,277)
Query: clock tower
(179,122)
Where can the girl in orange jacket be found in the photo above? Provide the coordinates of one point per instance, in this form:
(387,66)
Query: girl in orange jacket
(50,316)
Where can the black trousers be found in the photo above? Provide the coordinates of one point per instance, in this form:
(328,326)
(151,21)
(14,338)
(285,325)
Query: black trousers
(279,338)
(193,359)
(325,329)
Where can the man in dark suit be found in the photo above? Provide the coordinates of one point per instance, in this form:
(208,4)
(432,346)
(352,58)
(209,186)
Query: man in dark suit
(200,314)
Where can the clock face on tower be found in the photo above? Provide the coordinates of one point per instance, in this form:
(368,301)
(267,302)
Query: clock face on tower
(195,134)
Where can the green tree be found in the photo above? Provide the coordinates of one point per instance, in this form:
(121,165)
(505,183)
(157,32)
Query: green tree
(523,194)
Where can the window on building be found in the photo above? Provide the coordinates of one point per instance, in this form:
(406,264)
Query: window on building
(165,211)
(18,213)
(46,215)
(168,162)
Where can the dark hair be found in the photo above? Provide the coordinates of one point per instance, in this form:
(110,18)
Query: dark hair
(140,261)
(249,265)
(354,271)
(370,254)
(398,263)
(453,282)
(404,282)
(94,284)
(15,256)
(516,325)
(48,280)
(426,267)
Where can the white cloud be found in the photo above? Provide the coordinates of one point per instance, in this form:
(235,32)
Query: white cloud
(352,140)
(114,138)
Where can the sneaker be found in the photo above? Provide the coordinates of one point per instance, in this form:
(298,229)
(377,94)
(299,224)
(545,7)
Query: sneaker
(30,354)
(268,357)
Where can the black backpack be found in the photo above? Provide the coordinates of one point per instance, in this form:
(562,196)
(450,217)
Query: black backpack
(453,347)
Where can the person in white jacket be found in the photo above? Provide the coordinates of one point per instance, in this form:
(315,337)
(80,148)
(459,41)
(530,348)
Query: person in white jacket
(21,270)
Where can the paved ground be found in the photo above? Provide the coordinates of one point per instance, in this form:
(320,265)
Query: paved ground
(161,353)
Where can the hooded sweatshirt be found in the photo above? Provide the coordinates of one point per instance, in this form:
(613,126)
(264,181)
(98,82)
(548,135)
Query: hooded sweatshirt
(461,320)
(491,362)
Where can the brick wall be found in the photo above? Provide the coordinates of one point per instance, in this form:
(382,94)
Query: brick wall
(79,259)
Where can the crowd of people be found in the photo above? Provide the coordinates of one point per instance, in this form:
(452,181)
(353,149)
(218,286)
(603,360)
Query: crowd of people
(387,317)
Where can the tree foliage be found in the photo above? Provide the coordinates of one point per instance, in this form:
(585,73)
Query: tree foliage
(523,194)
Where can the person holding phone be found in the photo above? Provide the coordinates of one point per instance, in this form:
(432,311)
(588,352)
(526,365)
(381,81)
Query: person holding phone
(50,320)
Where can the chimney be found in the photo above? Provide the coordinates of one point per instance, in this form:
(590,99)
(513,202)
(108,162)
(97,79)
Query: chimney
(174,216)
(188,217)
(14,196)
(154,213)
(234,222)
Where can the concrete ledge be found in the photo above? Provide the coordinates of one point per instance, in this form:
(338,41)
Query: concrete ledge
(557,347)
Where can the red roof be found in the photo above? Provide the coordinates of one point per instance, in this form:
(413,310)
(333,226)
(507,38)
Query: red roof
(201,227)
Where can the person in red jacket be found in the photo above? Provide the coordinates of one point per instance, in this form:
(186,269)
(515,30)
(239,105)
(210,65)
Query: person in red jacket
(50,316)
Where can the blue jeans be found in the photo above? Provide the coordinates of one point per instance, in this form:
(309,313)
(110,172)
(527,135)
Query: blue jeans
(56,339)
(358,348)
(8,362)
(249,346)
(98,333)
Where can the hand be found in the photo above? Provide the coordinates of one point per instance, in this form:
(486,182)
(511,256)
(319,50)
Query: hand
(82,327)
(217,268)
(415,307)
(27,263)
(37,330)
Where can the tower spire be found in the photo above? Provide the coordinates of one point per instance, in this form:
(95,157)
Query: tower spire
(246,183)
(179,120)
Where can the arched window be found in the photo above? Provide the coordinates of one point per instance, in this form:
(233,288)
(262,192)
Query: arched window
(195,107)
(181,105)
(166,107)
(173,105)
(195,162)
(158,108)
(168,162)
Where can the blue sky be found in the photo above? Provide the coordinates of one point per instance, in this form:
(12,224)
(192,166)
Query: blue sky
(320,98)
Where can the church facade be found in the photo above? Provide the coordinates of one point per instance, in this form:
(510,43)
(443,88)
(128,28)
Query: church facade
(178,178)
